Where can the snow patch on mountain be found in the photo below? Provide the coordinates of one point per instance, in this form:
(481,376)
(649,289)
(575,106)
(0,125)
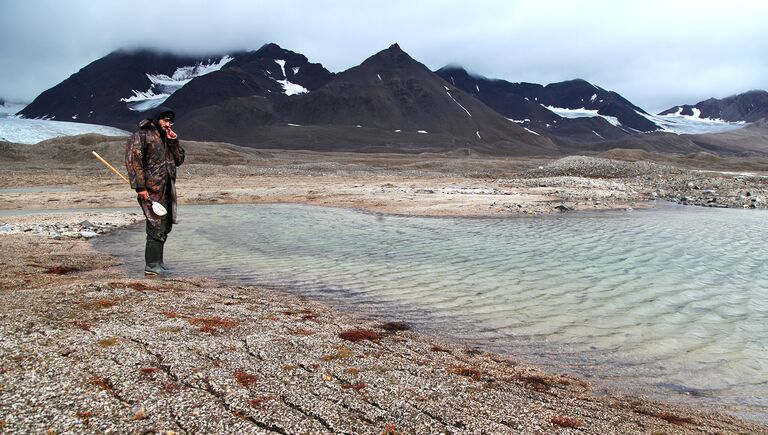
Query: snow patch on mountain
(692,124)
(672,123)
(519,121)
(288,87)
(163,86)
(531,131)
(31,131)
(454,100)
(582,113)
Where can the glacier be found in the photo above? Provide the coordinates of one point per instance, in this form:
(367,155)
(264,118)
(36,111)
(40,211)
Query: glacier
(163,86)
(672,123)
(31,131)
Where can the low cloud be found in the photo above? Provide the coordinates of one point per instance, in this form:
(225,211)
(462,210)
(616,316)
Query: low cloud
(657,54)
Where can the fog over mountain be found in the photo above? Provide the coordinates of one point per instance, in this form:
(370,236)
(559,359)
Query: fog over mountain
(656,54)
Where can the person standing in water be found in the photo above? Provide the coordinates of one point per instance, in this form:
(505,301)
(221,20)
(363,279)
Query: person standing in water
(152,154)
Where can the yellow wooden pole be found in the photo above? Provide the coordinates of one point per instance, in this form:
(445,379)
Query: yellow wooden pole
(110,167)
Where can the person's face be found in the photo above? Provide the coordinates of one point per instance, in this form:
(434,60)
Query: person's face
(165,123)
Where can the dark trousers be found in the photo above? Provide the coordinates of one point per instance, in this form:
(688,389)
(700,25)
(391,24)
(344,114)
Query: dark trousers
(160,233)
(166,222)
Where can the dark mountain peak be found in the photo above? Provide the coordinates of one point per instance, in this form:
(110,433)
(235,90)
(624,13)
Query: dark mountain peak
(267,53)
(755,93)
(453,68)
(102,90)
(274,51)
(458,72)
(270,46)
(392,56)
(153,56)
(749,106)
(271,72)
(575,85)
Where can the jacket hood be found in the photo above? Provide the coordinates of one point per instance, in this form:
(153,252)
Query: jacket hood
(154,116)
(161,111)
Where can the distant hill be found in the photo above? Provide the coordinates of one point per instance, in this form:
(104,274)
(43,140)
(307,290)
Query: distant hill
(751,140)
(393,92)
(116,88)
(275,98)
(271,72)
(747,107)
(389,102)
(548,107)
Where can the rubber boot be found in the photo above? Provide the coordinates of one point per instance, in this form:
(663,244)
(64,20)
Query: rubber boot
(162,263)
(153,254)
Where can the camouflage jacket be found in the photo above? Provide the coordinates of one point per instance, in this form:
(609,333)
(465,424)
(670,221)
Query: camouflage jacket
(151,160)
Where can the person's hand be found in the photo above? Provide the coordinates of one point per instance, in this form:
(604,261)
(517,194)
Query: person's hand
(143,194)
(170,134)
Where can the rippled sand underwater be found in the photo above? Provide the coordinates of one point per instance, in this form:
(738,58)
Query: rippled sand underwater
(674,298)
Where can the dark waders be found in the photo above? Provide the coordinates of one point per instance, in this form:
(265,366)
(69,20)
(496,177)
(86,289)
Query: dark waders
(156,237)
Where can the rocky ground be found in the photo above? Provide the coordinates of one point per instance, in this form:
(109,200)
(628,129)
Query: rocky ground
(67,175)
(86,349)
(68,226)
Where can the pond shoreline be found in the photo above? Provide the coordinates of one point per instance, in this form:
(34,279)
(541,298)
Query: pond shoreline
(192,355)
(90,348)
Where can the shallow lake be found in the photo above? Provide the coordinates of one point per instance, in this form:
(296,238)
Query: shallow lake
(671,302)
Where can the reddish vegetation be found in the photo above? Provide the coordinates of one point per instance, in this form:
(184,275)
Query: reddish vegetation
(305,314)
(357,335)
(98,305)
(666,416)
(101,383)
(357,387)
(257,402)
(85,416)
(245,379)
(469,372)
(85,326)
(395,326)
(239,415)
(564,421)
(211,325)
(138,286)
(148,371)
(105,303)
(389,429)
(534,382)
(171,387)
(61,270)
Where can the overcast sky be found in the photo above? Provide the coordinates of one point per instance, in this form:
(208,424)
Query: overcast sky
(655,53)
